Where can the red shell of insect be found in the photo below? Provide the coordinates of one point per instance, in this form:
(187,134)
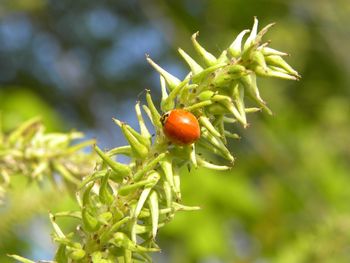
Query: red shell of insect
(181,127)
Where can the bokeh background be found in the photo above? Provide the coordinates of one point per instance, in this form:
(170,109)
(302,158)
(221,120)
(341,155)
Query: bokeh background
(79,63)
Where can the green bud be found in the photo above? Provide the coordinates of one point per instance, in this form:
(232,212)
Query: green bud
(26,129)
(105,217)
(75,253)
(169,102)
(250,40)
(163,88)
(121,240)
(90,223)
(226,102)
(235,48)
(218,144)
(199,105)
(143,128)
(193,155)
(208,58)
(267,51)
(149,166)
(153,206)
(105,236)
(205,95)
(154,176)
(121,170)
(278,61)
(249,83)
(272,73)
(177,180)
(127,189)
(136,140)
(197,78)
(195,68)
(223,57)
(171,80)
(153,112)
(180,207)
(238,94)
(205,122)
(126,150)
(205,164)
(168,193)
(106,192)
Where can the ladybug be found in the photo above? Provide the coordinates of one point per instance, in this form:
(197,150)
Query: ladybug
(180,127)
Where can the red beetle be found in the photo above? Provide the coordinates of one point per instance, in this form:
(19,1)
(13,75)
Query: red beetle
(181,127)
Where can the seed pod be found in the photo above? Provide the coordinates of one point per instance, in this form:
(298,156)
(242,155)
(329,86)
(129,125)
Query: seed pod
(138,143)
(121,170)
(208,58)
(143,128)
(195,67)
(154,114)
(90,223)
(153,206)
(171,80)
(235,48)
(121,240)
(106,191)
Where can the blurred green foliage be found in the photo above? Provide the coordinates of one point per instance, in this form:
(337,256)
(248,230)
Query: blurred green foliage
(286,199)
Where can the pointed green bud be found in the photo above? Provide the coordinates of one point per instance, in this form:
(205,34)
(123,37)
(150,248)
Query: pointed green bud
(106,235)
(121,240)
(136,140)
(128,188)
(205,122)
(238,95)
(267,51)
(75,254)
(169,102)
(223,57)
(163,88)
(209,165)
(120,170)
(278,61)
(143,128)
(218,144)
(251,38)
(154,114)
(149,166)
(126,150)
(208,58)
(272,73)
(171,80)
(259,59)
(153,206)
(217,109)
(227,103)
(90,223)
(198,105)
(249,83)
(143,197)
(232,135)
(180,207)
(104,218)
(198,78)
(168,190)
(167,167)
(195,67)
(205,95)
(235,48)
(106,191)
(177,182)
(86,201)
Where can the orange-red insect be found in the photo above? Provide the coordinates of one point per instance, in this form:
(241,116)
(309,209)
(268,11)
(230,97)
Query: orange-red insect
(181,127)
